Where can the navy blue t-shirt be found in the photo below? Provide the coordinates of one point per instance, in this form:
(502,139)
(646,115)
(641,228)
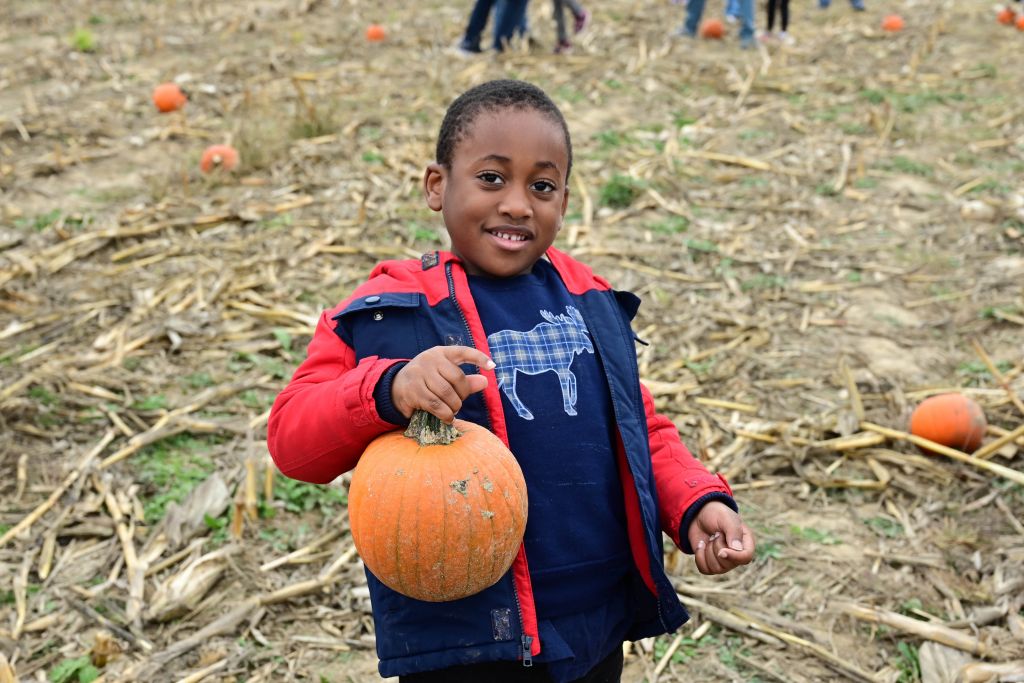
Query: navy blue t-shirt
(561,428)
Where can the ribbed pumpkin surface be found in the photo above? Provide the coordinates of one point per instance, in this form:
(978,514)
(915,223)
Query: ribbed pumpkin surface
(438,522)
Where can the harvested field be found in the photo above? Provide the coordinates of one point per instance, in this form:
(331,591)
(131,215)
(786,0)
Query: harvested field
(823,233)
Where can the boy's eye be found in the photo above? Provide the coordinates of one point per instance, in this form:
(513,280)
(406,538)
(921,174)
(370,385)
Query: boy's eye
(544,186)
(491,178)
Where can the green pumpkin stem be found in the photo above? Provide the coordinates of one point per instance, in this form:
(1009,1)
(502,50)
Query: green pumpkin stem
(428,430)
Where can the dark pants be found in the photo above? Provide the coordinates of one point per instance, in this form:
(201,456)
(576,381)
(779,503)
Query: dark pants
(783,7)
(509,16)
(608,670)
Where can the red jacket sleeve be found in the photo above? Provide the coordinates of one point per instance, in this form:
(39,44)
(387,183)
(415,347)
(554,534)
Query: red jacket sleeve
(681,479)
(323,420)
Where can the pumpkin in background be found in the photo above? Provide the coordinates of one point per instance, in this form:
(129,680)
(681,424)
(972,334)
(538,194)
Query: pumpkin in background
(375,33)
(713,29)
(952,420)
(223,157)
(892,23)
(1006,16)
(1020,23)
(169,97)
(437,513)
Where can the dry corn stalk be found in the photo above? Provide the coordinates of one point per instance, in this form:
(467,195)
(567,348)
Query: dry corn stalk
(7,674)
(183,591)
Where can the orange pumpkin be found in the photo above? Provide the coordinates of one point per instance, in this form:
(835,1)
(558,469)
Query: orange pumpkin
(169,97)
(224,157)
(1006,16)
(1020,23)
(713,29)
(375,33)
(437,513)
(892,23)
(952,420)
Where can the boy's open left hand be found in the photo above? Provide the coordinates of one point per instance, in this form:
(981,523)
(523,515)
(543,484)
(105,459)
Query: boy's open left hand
(434,382)
(720,540)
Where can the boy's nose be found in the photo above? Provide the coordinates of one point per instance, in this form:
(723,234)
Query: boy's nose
(516,204)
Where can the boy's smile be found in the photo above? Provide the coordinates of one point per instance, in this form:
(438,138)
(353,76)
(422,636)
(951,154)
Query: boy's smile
(504,196)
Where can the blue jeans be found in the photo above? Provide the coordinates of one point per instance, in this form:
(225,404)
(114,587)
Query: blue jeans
(509,19)
(856,4)
(695,10)
(732,8)
(510,16)
(477,23)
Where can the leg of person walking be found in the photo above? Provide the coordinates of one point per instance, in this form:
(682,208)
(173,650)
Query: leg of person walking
(747,23)
(476,25)
(508,18)
(563,45)
(694,11)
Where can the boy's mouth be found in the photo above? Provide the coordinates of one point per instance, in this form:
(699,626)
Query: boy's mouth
(510,235)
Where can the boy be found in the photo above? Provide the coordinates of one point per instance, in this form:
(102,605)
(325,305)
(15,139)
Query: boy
(605,474)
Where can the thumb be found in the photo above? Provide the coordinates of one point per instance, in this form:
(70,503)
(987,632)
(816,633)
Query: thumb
(732,529)
(467,354)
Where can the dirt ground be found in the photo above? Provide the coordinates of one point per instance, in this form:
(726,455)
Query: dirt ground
(824,233)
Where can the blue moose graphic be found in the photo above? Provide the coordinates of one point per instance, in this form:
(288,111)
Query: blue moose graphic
(551,345)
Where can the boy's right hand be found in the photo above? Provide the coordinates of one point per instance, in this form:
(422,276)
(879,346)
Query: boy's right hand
(434,382)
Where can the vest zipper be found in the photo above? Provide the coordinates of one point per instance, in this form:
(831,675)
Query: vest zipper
(525,641)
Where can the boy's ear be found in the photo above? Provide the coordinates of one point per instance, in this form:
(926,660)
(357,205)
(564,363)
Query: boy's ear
(434,179)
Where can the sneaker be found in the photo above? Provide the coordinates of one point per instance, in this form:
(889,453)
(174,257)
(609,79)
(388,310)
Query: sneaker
(681,32)
(766,37)
(785,38)
(748,44)
(563,48)
(731,18)
(582,22)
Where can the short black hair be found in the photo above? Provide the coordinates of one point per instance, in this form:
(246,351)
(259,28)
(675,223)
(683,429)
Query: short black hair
(492,96)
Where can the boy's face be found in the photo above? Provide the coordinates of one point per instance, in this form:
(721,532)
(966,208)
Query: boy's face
(504,196)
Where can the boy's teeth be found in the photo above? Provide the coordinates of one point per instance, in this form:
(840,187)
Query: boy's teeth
(508,236)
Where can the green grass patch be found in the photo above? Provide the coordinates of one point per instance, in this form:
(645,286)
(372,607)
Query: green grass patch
(83,40)
(672,225)
(620,191)
(906,165)
(298,496)
(170,469)
(814,535)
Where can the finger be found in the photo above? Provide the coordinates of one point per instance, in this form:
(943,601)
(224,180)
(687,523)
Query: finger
(708,563)
(467,354)
(443,396)
(698,557)
(743,556)
(733,532)
(463,384)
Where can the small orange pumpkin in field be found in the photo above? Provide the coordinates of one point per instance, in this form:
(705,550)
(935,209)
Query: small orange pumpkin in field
(952,420)
(893,23)
(713,29)
(437,513)
(1020,23)
(1006,16)
(224,157)
(169,97)
(375,33)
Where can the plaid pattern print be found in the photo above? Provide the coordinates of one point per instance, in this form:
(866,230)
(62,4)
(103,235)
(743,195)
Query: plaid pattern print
(549,346)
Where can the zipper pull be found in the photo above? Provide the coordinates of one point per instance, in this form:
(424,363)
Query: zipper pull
(527,657)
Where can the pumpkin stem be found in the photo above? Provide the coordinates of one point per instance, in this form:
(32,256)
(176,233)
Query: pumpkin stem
(428,430)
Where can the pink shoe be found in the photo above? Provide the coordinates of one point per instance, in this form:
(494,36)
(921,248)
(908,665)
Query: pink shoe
(563,48)
(582,22)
